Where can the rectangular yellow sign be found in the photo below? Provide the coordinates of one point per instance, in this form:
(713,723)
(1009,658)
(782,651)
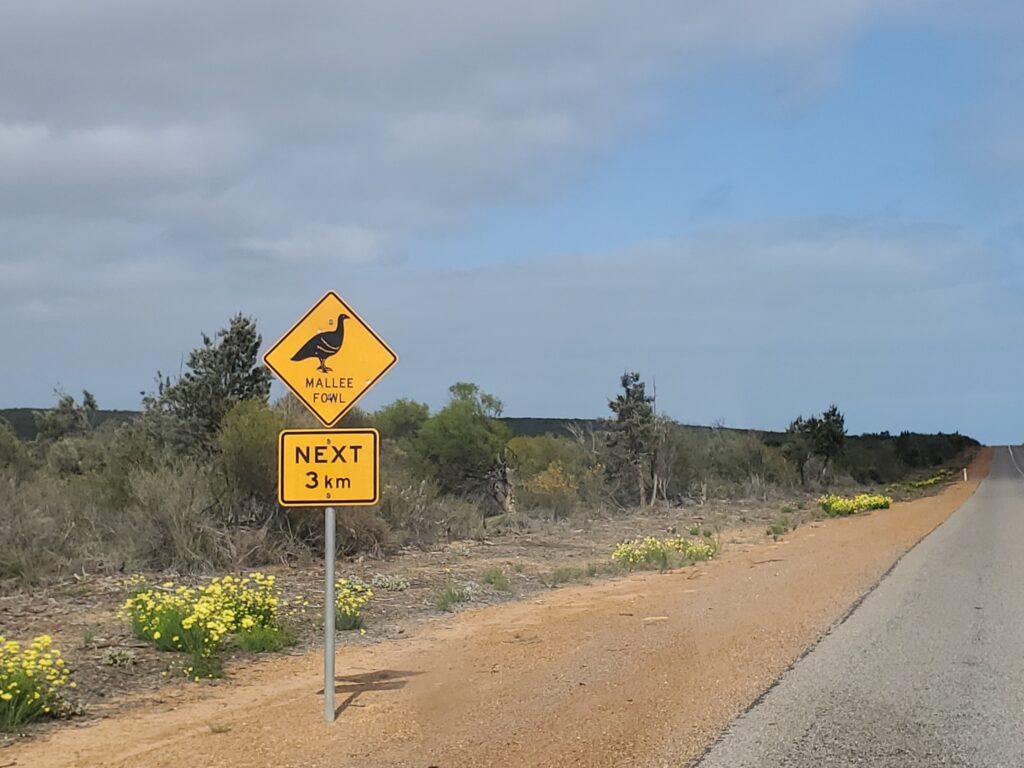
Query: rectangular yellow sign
(328,467)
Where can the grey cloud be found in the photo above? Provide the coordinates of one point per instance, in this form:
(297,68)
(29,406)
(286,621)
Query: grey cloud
(231,122)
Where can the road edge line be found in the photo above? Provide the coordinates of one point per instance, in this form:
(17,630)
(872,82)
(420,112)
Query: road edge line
(832,628)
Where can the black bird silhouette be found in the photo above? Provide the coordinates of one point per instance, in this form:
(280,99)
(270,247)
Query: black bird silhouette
(323,345)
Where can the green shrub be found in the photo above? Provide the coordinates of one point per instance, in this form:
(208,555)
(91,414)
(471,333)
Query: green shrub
(782,524)
(390,582)
(351,595)
(264,639)
(497,579)
(248,455)
(451,595)
(32,681)
(459,445)
(401,419)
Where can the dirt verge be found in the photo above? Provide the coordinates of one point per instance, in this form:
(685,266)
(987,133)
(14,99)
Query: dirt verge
(644,670)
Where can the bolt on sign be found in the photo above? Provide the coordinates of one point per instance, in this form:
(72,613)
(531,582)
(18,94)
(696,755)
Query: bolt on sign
(330,358)
(324,467)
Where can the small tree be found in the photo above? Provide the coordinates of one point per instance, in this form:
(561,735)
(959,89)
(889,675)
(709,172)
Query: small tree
(822,436)
(830,436)
(223,371)
(632,437)
(248,458)
(799,444)
(67,418)
(462,443)
(401,419)
(12,452)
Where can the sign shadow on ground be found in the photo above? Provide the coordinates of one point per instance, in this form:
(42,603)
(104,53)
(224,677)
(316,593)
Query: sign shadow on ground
(368,682)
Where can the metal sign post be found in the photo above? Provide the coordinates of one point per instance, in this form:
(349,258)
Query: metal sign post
(329,626)
(317,467)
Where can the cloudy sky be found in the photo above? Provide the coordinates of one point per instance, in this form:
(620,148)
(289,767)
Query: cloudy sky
(764,207)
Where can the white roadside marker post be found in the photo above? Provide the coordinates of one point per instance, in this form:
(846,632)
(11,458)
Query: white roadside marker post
(329,626)
(965,474)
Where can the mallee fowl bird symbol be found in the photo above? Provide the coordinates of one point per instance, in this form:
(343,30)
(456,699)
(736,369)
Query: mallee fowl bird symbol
(323,345)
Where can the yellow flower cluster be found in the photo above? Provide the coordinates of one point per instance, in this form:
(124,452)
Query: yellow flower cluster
(651,550)
(196,620)
(555,481)
(840,506)
(942,477)
(350,597)
(31,679)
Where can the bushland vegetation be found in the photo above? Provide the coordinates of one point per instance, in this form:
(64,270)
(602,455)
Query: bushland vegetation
(189,483)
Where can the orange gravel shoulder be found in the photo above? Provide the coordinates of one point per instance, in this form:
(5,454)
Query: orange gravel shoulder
(642,671)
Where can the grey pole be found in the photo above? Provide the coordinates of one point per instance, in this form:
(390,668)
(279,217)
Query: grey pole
(329,628)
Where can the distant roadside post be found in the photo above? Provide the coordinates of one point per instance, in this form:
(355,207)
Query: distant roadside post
(328,467)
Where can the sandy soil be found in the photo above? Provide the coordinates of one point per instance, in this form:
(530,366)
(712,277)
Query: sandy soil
(645,670)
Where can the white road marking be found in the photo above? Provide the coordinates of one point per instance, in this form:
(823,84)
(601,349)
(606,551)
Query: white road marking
(1014,460)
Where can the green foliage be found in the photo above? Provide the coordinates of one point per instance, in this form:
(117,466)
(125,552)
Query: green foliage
(631,439)
(496,578)
(458,446)
(248,457)
(351,596)
(568,574)
(823,436)
(464,391)
(830,436)
(223,371)
(390,582)
(67,418)
(781,525)
(884,460)
(13,454)
(119,657)
(559,474)
(401,419)
(266,639)
(32,681)
(451,595)
(919,451)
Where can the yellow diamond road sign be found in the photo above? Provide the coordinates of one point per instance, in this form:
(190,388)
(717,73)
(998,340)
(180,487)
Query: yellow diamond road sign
(330,358)
(326,467)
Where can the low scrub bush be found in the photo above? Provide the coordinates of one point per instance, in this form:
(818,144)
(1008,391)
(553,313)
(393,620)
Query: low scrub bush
(119,657)
(497,579)
(664,553)
(390,582)
(452,595)
(350,598)
(569,573)
(32,681)
(841,506)
(781,525)
(266,639)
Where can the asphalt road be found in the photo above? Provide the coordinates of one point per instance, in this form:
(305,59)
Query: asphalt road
(927,671)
